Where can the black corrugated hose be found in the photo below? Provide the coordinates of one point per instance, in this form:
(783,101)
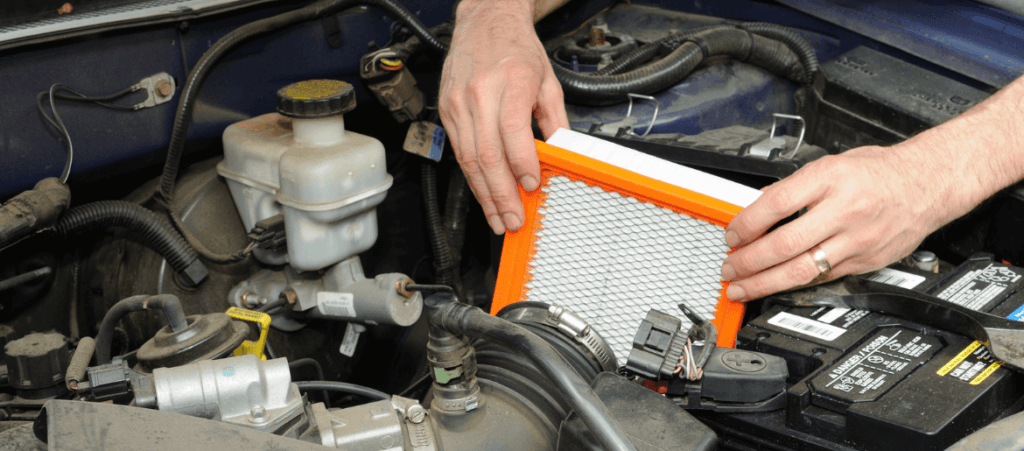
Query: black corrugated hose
(167,303)
(645,52)
(190,89)
(590,89)
(456,208)
(792,40)
(443,264)
(154,231)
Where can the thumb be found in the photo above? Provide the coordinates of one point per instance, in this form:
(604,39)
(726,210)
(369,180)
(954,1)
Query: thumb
(550,107)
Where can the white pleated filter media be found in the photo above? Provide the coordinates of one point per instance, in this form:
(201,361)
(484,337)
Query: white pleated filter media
(610,258)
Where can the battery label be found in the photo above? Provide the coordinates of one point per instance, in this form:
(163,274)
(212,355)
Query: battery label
(898,278)
(806,326)
(977,289)
(866,373)
(972,365)
(1017,315)
(842,317)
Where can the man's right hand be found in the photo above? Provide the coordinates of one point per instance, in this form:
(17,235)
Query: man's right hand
(496,74)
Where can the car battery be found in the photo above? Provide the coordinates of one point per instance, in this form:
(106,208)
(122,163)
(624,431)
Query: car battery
(868,381)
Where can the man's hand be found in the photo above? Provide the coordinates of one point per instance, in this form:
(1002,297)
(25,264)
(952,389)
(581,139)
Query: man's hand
(866,209)
(871,206)
(495,77)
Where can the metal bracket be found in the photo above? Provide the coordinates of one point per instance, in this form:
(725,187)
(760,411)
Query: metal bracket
(803,129)
(159,88)
(629,111)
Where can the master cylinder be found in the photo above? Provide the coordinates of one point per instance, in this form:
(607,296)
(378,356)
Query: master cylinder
(326,182)
(302,163)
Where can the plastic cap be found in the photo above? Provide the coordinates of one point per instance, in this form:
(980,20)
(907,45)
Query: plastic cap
(313,99)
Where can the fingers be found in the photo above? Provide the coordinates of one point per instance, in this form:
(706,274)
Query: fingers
(463,142)
(550,108)
(517,137)
(799,271)
(491,154)
(782,244)
(778,202)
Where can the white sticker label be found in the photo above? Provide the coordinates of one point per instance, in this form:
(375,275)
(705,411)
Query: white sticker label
(833,315)
(335,304)
(351,339)
(900,279)
(978,288)
(807,326)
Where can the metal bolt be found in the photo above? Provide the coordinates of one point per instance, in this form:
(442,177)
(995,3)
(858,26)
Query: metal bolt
(258,414)
(250,299)
(416,414)
(290,296)
(597,37)
(164,88)
(400,287)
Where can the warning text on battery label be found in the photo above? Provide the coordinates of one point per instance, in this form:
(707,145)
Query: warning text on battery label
(976,289)
(871,370)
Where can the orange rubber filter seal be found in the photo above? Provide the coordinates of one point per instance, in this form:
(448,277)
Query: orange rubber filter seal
(654,220)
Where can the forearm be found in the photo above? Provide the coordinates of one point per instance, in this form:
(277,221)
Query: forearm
(973,155)
(536,9)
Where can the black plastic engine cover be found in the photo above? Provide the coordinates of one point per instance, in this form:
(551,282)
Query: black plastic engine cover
(652,422)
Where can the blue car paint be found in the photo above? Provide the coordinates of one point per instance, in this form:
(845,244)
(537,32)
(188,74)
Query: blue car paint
(923,32)
(241,85)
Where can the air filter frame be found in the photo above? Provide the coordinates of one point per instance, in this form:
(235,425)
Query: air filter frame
(520,246)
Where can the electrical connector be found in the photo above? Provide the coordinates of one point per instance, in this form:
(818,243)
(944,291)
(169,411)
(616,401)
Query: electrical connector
(269,233)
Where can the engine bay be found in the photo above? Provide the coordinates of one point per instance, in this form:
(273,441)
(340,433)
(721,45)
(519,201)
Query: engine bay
(263,239)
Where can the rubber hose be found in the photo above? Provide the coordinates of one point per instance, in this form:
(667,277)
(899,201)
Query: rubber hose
(796,43)
(190,89)
(79,362)
(155,232)
(167,303)
(647,51)
(473,322)
(344,387)
(435,229)
(319,373)
(587,89)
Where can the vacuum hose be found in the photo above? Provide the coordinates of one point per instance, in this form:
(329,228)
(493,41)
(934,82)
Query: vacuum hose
(169,304)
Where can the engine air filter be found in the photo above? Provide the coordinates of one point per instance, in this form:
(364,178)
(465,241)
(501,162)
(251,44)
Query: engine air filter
(612,233)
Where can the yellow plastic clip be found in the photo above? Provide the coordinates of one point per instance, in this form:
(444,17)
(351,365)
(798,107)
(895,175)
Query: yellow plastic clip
(248,346)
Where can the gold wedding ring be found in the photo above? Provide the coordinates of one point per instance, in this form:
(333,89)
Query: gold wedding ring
(824,267)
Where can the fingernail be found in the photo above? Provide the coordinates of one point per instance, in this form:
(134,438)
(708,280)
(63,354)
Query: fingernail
(735,293)
(728,273)
(496,224)
(529,183)
(731,239)
(512,222)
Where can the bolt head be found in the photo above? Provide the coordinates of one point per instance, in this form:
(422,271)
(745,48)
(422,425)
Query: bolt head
(164,88)
(258,414)
(416,414)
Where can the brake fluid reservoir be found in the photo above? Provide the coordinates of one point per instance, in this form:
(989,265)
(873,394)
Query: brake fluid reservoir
(302,163)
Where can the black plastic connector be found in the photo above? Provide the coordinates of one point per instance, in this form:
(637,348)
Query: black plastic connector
(107,381)
(657,346)
(269,233)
